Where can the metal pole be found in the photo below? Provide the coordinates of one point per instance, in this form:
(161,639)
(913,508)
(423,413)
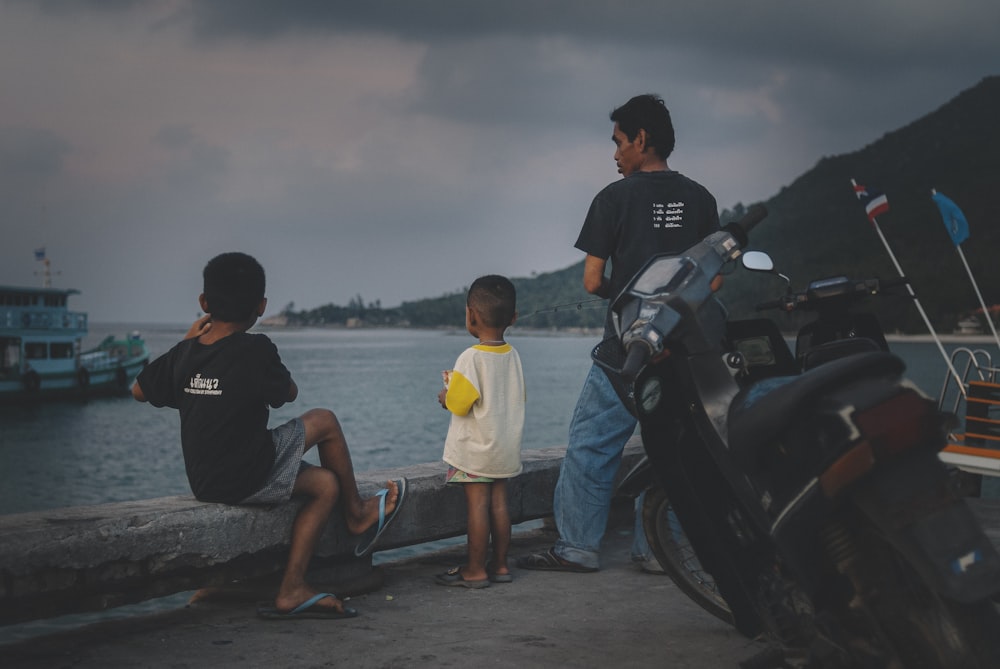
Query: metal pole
(982,303)
(923,314)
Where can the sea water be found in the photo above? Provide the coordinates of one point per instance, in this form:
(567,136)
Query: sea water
(382,384)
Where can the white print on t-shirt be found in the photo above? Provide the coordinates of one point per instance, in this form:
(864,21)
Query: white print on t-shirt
(200,386)
(667,215)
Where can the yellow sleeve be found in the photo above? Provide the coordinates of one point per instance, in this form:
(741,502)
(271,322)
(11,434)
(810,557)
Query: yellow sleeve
(461,394)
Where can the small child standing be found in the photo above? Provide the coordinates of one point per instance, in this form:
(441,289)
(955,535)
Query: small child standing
(222,380)
(486,397)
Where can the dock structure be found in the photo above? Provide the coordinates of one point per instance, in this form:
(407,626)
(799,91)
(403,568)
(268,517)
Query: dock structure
(94,558)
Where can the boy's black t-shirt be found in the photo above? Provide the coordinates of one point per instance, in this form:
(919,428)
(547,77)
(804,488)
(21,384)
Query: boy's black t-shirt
(222,391)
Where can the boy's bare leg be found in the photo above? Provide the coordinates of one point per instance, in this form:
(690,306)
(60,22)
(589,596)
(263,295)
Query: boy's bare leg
(323,431)
(500,523)
(477,500)
(319,487)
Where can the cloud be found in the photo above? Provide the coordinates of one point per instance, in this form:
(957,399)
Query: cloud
(30,156)
(399,149)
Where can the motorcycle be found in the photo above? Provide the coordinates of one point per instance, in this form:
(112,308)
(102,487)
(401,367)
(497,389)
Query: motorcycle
(799,498)
(841,327)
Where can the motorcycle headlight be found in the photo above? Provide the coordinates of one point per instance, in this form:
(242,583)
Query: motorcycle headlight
(649,395)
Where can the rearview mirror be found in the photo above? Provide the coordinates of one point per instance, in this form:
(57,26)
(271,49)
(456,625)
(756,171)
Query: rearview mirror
(758,261)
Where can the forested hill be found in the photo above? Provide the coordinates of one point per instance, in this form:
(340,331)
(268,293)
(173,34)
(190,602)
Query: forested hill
(816,227)
(550,300)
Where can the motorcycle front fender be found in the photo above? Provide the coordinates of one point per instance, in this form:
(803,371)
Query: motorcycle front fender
(640,478)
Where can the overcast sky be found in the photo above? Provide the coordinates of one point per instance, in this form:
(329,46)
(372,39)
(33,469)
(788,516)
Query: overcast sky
(399,149)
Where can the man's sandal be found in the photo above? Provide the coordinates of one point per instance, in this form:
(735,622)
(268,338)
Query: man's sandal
(549,561)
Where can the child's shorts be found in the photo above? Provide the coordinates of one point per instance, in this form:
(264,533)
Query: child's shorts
(289,445)
(458,476)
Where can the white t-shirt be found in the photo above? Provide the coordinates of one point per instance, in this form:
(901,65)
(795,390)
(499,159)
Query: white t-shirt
(486,398)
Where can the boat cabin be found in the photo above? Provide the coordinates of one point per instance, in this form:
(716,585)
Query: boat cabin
(38,331)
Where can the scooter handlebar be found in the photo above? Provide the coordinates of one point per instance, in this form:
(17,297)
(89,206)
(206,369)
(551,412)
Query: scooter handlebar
(774,304)
(740,229)
(850,290)
(888,284)
(636,357)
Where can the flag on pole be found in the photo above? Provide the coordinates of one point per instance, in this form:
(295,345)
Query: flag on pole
(875,202)
(954,219)
(958,230)
(40,254)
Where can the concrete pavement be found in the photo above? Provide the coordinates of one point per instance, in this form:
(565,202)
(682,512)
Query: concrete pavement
(618,617)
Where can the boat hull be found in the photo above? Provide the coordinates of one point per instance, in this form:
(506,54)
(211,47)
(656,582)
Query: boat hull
(40,350)
(107,370)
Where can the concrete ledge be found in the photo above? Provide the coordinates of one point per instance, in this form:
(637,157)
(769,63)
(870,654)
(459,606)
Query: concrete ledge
(97,557)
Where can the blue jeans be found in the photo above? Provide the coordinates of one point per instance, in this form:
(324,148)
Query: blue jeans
(598,432)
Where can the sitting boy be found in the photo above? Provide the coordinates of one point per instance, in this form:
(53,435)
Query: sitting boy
(222,380)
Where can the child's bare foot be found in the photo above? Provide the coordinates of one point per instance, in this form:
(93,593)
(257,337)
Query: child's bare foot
(456,577)
(368,514)
(470,573)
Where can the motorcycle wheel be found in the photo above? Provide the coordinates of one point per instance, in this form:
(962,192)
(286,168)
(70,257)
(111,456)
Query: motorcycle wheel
(675,554)
(925,629)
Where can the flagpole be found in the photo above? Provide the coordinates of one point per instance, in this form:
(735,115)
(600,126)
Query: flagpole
(958,238)
(982,303)
(913,295)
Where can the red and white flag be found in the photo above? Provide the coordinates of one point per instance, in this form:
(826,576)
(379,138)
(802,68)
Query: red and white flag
(875,201)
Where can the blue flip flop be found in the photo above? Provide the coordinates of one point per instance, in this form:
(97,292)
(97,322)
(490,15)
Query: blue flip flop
(306,609)
(454,577)
(365,547)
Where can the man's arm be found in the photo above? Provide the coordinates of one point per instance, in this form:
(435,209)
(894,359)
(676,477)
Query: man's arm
(594,281)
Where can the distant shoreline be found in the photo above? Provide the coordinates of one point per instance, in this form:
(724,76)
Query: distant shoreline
(950,338)
(945,338)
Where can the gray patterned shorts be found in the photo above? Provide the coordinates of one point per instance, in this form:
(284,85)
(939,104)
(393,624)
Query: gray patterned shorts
(289,445)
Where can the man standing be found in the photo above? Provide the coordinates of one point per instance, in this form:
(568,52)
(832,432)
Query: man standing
(652,210)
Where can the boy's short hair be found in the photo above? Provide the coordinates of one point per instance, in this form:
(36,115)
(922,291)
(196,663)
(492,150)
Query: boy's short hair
(494,298)
(233,287)
(647,112)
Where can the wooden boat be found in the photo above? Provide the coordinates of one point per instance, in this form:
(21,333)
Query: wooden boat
(40,350)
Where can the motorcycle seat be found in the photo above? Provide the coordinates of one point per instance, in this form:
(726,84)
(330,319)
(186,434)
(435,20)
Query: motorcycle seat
(841,348)
(759,413)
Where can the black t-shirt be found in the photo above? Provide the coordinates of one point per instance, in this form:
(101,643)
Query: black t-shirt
(644,214)
(222,391)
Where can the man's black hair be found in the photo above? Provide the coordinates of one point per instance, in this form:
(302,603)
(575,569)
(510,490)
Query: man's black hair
(234,287)
(494,298)
(647,112)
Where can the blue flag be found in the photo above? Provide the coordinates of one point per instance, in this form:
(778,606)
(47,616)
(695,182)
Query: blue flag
(40,254)
(954,219)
